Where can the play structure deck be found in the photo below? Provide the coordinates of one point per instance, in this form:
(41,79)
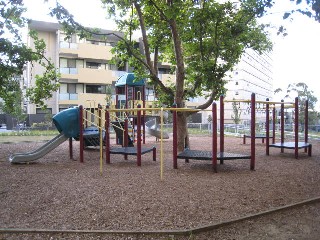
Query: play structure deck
(296,145)
(213,154)
(292,145)
(133,151)
(207,155)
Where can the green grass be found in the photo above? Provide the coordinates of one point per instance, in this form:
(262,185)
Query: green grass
(27,136)
(30,133)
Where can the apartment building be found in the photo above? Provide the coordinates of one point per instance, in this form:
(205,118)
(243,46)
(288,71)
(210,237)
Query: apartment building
(253,74)
(87,74)
(84,65)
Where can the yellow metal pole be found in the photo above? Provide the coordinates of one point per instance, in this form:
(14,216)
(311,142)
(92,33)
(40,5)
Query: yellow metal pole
(161,144)
(100,140)
(101,150)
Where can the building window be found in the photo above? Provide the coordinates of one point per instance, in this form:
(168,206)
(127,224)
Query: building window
(164,70)
(95,65)
(69,39)
(100,89)
(70,65)
(99,42)
(69,91)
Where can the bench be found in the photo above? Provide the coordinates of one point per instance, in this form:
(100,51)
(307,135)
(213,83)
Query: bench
(262,136)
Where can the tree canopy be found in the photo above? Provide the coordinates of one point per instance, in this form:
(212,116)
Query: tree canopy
(15,55)
(201,40)
(303,92)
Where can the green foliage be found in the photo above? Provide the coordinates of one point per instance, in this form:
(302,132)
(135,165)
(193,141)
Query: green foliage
(16,110)
(236,116)
(209,36)
(15,55)
(302,91)
(202,40)
(31,133)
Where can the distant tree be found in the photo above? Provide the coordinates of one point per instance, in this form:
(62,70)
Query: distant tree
(302,91)
(15,55)
(236,116)
(16,110)
(48,120)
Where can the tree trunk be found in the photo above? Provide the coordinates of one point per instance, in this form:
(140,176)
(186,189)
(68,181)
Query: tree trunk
(179,94)
(182,129)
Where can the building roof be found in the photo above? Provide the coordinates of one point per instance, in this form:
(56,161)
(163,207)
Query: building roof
(53,27)
(130,80)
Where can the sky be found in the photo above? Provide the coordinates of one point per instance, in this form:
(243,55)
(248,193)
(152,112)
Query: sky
(295,57)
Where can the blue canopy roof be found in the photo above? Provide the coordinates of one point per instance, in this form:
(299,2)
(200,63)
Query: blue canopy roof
(130,80)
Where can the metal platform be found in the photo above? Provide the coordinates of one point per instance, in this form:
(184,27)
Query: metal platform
(134,151)
(207,155)
(130,150)
(292,145)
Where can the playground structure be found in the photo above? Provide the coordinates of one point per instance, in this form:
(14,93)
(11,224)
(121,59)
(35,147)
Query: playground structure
(67,123)
(93,129)
(91,135)
(296,145)
(84,119)
(102,122)
(214,155)
(130,92)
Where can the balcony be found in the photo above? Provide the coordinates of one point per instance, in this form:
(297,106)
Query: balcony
(85,50)
(85,99)
(89,75)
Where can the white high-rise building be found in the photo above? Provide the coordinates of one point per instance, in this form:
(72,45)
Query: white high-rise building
(253,74)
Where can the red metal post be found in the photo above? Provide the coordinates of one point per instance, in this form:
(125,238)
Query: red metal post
(81,133)
(282,124)
(274,125)
(214,137)
(306,123)
(296,127)
(139,136)
(253,131)
(125,137)
(221,126)
(175,137)
(125,134)
(154,153)
(267,126)
(107,128)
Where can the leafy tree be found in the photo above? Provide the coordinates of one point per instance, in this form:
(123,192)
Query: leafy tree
(236,116)
(16,110)
(15,55)
(202,40)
